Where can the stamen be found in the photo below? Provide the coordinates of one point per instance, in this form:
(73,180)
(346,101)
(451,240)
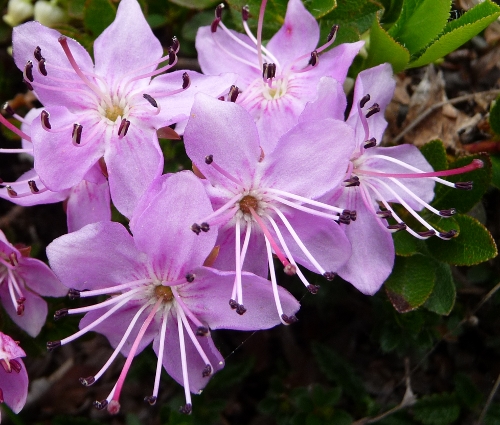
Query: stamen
(372,110)
(313,289)
(186,81)
(38,53)
(87,382)
(124,125)
(100,405)
(7,110)
(175,44)
(448,235)
(305,200)
(41,67)
(209,160)
(16,366)
(289,320)
(73,294)
(187,311)
(464,185)
(28,71)
(371,143)
(332,33)
(314,58)
(60,313)
(44,117)
(76,135)
(13,128)
(11,192)
(397,227)
(274,285)
(245,13)
(233,93)
(52,345)
(151,100)
(190,277)
(185,378)
(33,187)
(231,203)
(364,100)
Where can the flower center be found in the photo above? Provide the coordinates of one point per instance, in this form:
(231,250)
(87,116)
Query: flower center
(275,89)
(113,112)
(248,202)
(164,292)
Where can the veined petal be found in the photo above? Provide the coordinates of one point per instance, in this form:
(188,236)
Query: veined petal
(289,167)
(207,297)
(331,102)
(162,229)
(59,163)
(15,387)
(88,203)
(372,256)
(299,34)
(26,37)
(227,132)
(131,42)
(133,162)
(40,279)
(195,364)
(84,260)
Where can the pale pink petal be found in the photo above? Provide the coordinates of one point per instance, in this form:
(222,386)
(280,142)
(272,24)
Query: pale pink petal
(39,278)
(331,102)
(14,387)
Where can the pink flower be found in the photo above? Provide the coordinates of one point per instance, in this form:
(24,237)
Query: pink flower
(161,291)
(13,376)
(22,281)
(276,81)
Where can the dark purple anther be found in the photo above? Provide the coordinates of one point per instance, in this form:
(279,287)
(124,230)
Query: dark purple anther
(233,304)
(313,289)
(370,143)
(233,93)
(196,228)
(7,110)
(51,345)
(384,214)
(333,33)
(190,277)
(124,125)
(28,71)
(151,100)
(352,182)
(448,235)
(464,185)
(77,133)
(100,405)
(44,117)
(172,56)
(289,319)
(41,67)
(345,219)
(30,87)
(202,331)
(241,310)
(353,214)
(12,193)
(245,13)
(87,382)
(33,187)
(186,81)
(20,309)
(363,100)
(218,11)
(372,110)
(209,159)
(150,399)
(207,371)
(186,409)
(175,44)
(314,60)
(73,294)
(15,365)
(60,313)
(448,213)
(38,53)
(397,227)
(427,234)
(329,275)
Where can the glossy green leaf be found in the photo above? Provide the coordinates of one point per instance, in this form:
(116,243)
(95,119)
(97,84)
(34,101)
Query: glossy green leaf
(495,170)
(98,15)
(458,31)
(442,299)
(383,48)
(437,409)
(196,4)
(405,244)
(392,10)
(410,283)
(420,22)
(473,245)
(435,153)
(463,200)
(495,116)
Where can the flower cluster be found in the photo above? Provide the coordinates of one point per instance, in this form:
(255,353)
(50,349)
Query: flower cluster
(277,172)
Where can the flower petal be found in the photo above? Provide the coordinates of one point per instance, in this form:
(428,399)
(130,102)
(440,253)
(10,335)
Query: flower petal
(195,364)
(39,278)
(15,387)
(330,103)
(227,132)
(133,162)
(298,36)
(207,298)
(126,46)
(97,256)
(162,228)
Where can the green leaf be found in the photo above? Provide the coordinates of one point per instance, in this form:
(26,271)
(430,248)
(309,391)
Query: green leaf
(410,282)
(383,48)
(463,200)
(473,245)
(458,31)
(437,409)
(442,299)
(495,170)
(98,15)
(320,8)
(392,10)
(435,154)
(420,22)
(405,244)
(495,116)
(467,393)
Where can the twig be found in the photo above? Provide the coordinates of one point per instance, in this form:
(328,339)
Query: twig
(488,402)
(432,108)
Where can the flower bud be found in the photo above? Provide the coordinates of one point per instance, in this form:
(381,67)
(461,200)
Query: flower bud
(49,14)
(17,12)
